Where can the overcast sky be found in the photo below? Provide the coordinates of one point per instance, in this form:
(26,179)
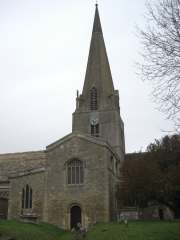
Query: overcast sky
(44,47)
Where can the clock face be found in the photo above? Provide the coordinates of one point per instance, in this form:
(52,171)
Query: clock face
(94,121)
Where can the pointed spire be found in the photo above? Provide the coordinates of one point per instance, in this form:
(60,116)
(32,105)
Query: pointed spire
(98,73)
(97,22)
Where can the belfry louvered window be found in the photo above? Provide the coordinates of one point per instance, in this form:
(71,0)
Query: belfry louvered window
(93,99)
(75,172)
(27,197)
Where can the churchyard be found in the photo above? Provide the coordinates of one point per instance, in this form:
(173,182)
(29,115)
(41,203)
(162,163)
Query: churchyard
(137,230)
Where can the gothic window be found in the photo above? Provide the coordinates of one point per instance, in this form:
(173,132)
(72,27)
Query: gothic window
(75,172)
(95,130)
(30,198)
(27,197)
(23,198)
(93,99)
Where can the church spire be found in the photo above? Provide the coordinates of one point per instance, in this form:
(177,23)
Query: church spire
(97,111)
(98,73)
(97,22)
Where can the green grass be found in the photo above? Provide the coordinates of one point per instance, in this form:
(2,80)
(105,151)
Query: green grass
(27,231)
(136,231)
(150,230)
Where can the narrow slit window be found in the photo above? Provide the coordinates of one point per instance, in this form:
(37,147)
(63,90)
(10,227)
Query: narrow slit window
(93,99)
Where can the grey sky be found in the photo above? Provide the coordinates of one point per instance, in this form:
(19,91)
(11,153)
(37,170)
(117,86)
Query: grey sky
(43,55)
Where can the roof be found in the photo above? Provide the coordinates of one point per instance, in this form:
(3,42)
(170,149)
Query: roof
(23,155)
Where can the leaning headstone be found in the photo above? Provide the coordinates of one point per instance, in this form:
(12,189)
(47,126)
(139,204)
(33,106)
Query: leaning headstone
(126,222)
(168,214)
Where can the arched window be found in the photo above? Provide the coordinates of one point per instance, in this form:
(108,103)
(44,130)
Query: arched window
(30,198)
(23,198)
(27,197)
(75,172)
(93,99)
(95,130)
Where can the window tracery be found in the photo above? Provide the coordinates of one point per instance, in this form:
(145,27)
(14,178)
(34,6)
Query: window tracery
(75,172)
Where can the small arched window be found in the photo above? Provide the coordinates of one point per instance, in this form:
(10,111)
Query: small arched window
(93,99)
(75,172)
(95,130)
(27,197)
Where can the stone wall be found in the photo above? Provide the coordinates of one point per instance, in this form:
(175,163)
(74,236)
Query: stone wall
(110,124)
(160,211)
(36,180)
(92,196)
(114,179)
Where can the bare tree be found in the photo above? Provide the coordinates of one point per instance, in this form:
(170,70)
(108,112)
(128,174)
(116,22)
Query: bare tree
(161,55)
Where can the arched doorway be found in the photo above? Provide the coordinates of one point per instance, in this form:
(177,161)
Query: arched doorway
(75,216)
(3,208)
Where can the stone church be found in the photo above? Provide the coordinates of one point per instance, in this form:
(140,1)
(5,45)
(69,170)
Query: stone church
(74,179)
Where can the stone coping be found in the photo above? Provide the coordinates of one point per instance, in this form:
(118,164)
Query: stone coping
(27,172)
(98,141)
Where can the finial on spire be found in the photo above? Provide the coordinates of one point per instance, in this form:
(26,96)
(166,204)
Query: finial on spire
(97,23)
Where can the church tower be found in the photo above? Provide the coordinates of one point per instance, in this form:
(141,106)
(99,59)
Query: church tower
(75,180)
(97,111)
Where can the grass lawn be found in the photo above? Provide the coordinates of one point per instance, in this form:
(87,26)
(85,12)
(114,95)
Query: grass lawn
(154,230)
(27,231)
(135,231)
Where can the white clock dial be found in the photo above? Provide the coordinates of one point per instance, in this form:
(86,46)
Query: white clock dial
(94,121)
